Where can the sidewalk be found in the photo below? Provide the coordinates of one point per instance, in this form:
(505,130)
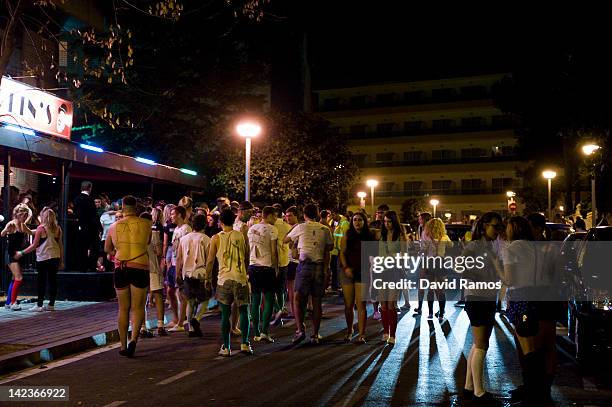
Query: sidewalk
(30,338)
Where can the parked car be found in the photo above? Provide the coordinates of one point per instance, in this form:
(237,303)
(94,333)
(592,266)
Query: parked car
(557,231)
(590,294)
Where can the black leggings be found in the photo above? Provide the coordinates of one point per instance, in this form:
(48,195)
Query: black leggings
(47,269)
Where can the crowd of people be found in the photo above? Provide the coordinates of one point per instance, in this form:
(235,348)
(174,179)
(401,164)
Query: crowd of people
(259,266)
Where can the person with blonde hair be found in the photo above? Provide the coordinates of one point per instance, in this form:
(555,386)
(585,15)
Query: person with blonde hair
(435,243)
(17,231)
(187,203)
(49,257)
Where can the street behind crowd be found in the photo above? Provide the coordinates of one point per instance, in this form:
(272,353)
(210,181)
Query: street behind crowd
(425,367)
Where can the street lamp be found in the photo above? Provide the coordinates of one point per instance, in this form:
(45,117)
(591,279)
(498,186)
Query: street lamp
(549,175)
(372,183)
(361,196)
(588,150)
(248,130)
(434,203)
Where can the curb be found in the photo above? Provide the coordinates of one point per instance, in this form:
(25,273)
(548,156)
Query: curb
(42,354)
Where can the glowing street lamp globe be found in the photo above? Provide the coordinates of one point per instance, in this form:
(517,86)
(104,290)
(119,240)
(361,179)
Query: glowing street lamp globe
(372,183)
(589,149)
(548,174)
(248,129)
(361,195)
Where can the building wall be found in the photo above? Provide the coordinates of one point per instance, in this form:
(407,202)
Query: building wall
(441,139)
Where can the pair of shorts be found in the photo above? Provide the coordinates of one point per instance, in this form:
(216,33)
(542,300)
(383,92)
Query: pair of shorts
(156,280)
(171,277)
(310,279)
(124,277)
(291,270)
(233,292)
(194,289)
(262,279)
(480,311)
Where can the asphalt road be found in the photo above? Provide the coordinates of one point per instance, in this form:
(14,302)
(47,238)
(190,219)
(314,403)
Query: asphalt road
(425,367)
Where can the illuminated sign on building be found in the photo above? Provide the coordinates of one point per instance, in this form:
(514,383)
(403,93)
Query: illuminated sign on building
(25,106)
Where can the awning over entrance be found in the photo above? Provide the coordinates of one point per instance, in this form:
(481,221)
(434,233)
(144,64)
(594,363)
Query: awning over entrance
(45,155)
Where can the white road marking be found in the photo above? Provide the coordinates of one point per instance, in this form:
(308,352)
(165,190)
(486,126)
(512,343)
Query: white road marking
(115,403)
(176,377)
(63,362)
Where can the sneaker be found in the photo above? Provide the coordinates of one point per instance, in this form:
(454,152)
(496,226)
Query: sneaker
(298,337)
(391,340)
(161,331)
(417,311)
(376,316)
(385,337)
(177,328)
(225,352)
(246,349)
(49,307)
(15,307)
(36,309)
(264,338)
(146,334)
(440,316)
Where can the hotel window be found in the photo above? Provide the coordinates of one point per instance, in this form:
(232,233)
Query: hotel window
(473,153)
(443,155)
(472,186)
(414,156)
(385,99)
(331,103)
(384,157)
(413,188)
(472,122)
(443,94)
(414,97)
(384,128)
(358,101)
(442,186)
(360,159)
(500,185)
(477,91)
(442,124)
(358,130)
(414,125)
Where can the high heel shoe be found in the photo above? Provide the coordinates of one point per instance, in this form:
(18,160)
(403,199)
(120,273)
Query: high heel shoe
(131,349)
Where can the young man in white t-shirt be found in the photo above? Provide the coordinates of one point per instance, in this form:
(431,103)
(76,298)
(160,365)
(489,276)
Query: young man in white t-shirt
(263,267)
(191,259)
(314,242)
(177,216)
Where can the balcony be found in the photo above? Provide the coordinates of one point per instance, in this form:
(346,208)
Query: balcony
(439,192)
(429,131)
(468,160)
(408,99)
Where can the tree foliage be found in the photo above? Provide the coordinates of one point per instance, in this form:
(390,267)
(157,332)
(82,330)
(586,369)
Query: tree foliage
(296,161)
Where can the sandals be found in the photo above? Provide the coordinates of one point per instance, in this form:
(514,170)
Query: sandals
(349,336)
(361,340)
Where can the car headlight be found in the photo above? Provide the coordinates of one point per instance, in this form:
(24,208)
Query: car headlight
(601,300)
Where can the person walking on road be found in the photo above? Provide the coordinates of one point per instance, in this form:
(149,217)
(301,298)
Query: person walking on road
(127,242)
(314,243)
(228,247)
(353,289)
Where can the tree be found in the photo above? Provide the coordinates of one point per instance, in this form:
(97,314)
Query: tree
(411,208)
(296,161)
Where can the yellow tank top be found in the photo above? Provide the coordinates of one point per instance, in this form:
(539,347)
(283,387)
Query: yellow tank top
(130,237)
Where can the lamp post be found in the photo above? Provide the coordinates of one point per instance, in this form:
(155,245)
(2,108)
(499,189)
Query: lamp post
(372,183)
(361,196)
(549,175)
(434,203)
(248,130)
(588,150)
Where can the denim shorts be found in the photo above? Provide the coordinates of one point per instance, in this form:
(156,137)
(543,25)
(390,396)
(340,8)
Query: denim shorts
(310,279)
